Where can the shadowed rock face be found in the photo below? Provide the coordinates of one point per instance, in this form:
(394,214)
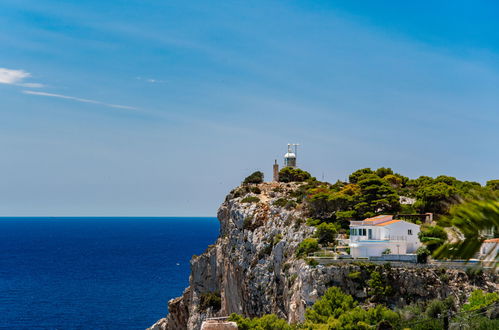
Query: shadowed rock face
(253,267)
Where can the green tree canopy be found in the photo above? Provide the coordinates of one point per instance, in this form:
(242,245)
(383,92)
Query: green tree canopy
(354,177)
(383,171)
(326,232)
(338,310)
(333,304)
(376,197)
(308,245)
(255,177)
(435,198)
(289,174)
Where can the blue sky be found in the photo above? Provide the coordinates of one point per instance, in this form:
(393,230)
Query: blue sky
(159,108)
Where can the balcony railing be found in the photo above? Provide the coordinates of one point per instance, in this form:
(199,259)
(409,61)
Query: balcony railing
(367,238)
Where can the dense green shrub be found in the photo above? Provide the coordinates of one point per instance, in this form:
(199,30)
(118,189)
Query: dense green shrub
(266,322)
(378,286)
(422,254)
(326,233)
(437,308)
(255,190)
(339,311)
(308,245)
(286,203)
(333,303)
(255,177)
(241,191)
(289,174)
(250,199)
(281,202)
(210,300)
(479,299)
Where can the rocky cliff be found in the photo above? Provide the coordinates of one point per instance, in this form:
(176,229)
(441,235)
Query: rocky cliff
(252,268)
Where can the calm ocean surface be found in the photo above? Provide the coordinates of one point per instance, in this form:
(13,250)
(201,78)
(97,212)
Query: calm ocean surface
(95,273)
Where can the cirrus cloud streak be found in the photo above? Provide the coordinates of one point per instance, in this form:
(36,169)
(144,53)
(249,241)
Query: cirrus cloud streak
(82,100)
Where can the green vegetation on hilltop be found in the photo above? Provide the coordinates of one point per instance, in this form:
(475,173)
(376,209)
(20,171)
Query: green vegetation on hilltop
(289,174)
(255,177)
(372,192)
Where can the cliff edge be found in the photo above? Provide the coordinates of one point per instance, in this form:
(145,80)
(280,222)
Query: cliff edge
(253,270)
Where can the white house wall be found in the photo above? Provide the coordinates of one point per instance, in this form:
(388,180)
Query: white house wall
(369,249)
(400,230)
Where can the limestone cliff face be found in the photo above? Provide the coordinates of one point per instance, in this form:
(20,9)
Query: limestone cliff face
(253,266)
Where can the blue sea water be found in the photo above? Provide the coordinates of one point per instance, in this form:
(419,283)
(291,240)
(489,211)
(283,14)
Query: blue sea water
(95,273)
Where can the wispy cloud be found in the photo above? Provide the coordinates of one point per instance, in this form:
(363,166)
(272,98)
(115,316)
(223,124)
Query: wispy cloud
(16,77)
(78,99)
(151,80)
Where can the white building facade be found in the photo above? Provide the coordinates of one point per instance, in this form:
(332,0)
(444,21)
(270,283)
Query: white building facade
(374,236)
(489,251)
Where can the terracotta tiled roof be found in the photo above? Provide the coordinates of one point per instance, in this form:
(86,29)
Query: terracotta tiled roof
(492,240)
(379,217)
(387,223)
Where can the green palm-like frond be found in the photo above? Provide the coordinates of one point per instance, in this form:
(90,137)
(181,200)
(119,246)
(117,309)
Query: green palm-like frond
(471,219)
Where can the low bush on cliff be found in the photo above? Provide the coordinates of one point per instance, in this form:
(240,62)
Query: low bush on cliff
(250,199)
(340,311)
(266,322)
(255,177)
(210,300)
(477,313)
(326,233)
(286,203)
(308,245)
(378,287)
(480,299)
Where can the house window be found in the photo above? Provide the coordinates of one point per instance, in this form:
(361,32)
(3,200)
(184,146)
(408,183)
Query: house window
(409,232)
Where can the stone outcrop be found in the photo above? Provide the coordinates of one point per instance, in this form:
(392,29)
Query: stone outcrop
(253,267)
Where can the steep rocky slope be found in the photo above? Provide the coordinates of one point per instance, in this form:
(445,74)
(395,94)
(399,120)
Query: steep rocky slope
(253,267)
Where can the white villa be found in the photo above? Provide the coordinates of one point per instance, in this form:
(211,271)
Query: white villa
(373,236)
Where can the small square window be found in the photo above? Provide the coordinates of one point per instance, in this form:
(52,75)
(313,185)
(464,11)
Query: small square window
(409,232)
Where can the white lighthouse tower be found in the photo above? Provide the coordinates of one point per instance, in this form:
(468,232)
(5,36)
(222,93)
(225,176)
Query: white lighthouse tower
(290,156)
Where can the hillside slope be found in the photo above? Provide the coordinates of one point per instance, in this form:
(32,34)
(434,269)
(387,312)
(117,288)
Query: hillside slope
(254,270)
